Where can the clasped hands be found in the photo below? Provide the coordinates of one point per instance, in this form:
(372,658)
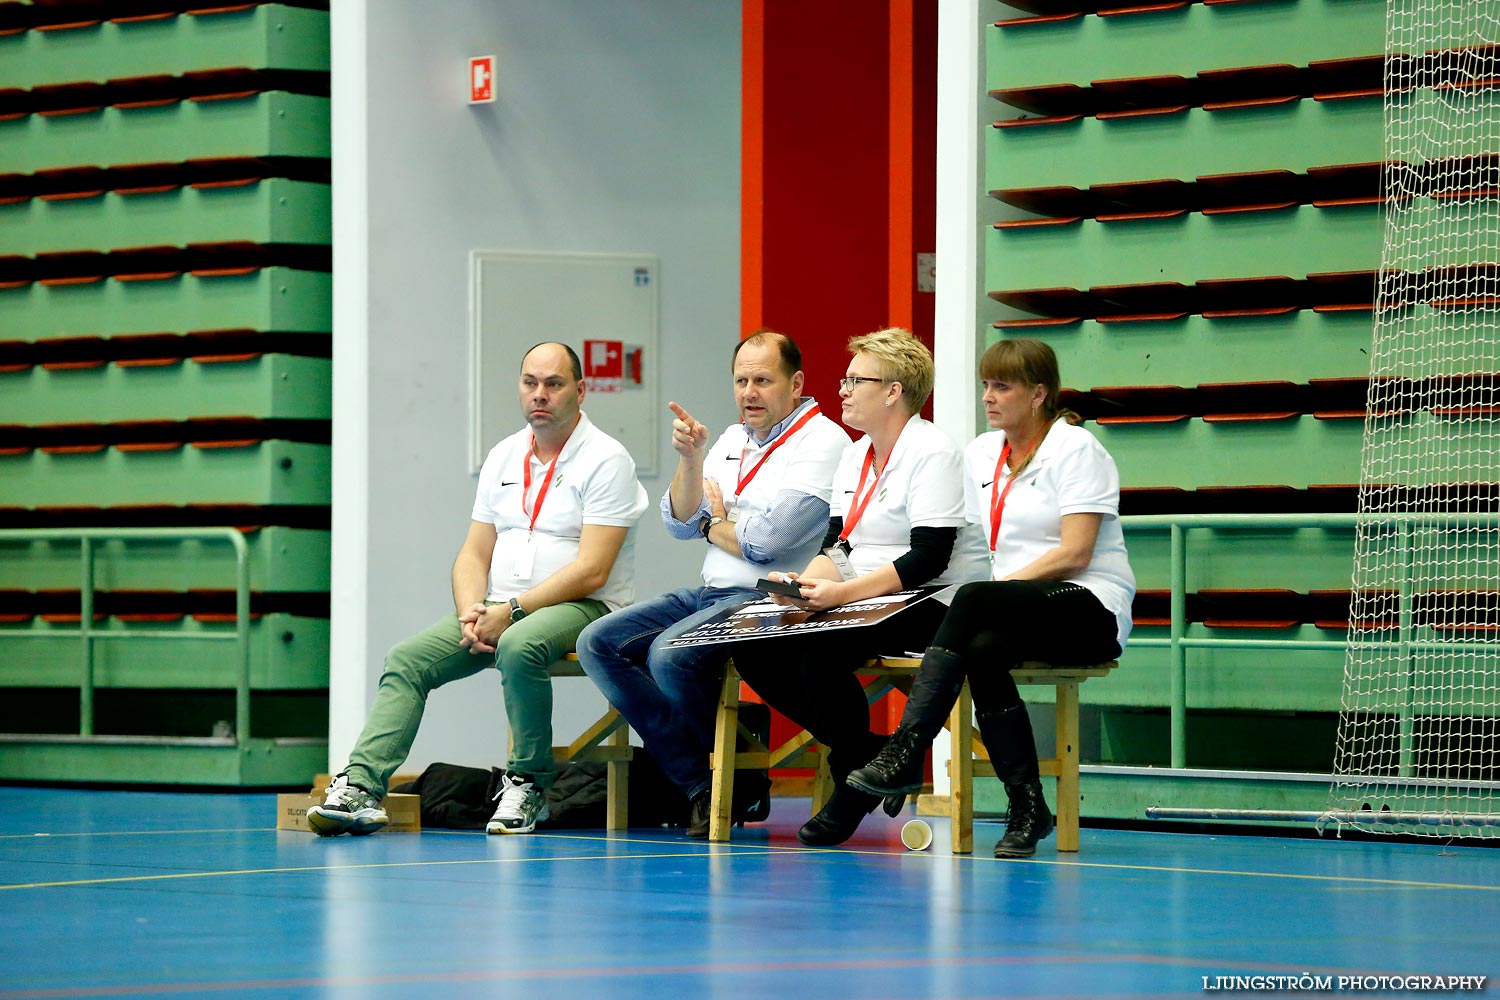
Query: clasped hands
(482,626)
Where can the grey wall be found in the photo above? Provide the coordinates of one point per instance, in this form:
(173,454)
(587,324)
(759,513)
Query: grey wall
(616,129)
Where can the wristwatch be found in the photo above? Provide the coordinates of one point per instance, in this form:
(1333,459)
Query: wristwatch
(516,611)
(708,525)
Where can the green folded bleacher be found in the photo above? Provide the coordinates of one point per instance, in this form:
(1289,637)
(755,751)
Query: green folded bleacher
(266,385)
(269,299)
(1186,205)
(258,36)
(273,123)
(1147,44)
(269,211)
(165,374)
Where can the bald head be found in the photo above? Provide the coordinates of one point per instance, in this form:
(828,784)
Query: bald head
(573,362)
(551,390)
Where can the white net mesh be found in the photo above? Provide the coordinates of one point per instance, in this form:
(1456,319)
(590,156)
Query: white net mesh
(1419,734)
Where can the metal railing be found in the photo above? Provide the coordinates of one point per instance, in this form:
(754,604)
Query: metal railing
(1178,642)
(89,635)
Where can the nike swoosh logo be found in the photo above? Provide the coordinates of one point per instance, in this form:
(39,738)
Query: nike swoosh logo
(511,483)
(983,485)
(847,492)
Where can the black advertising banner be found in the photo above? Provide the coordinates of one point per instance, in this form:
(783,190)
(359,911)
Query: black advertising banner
(765,620)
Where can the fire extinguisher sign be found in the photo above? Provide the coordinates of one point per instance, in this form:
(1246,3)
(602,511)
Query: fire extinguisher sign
(482,80)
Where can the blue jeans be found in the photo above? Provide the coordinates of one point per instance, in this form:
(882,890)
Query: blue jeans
(669,696)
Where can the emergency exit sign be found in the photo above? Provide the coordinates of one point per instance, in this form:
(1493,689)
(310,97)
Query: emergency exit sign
(482,80)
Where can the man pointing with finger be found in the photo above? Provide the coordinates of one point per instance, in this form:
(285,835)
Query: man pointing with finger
(759,499)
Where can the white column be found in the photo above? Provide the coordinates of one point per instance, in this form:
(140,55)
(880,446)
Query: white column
(959,268)
(348,684)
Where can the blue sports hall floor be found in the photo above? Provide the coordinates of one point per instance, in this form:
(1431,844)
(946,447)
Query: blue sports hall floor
(125,894)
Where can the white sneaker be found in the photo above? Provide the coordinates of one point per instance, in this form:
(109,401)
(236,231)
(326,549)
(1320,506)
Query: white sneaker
(522,806)
(348,809)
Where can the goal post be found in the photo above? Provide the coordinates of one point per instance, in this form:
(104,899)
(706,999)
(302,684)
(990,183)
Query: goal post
(1419,726)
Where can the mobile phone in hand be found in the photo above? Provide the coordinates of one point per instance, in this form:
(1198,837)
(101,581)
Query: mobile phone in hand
(784,589)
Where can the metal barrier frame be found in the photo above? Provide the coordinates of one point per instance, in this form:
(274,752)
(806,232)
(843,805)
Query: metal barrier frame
(1178,642)
(86,537)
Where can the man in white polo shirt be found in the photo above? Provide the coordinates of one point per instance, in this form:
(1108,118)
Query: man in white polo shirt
(759,498)
(549,550)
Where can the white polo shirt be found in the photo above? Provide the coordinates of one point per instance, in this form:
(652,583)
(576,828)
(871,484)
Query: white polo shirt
(804,462)
(1070,473)
(921,486)
(594,483)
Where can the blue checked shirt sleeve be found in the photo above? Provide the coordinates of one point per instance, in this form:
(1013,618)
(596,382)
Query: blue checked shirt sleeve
(793,520)
(682,529)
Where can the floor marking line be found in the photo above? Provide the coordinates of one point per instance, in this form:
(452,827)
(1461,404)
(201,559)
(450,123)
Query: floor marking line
(42,835)
(334,868)
(611,971)
(716,849)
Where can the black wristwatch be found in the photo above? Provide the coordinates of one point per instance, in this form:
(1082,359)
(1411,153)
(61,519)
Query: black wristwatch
(516,611)
(708,525)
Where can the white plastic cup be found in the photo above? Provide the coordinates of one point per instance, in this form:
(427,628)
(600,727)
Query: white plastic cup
(916,835)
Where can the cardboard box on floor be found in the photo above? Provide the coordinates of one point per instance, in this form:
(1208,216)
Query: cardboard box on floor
(405,811)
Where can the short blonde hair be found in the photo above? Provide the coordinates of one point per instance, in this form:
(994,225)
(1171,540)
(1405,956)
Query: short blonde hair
(903,358)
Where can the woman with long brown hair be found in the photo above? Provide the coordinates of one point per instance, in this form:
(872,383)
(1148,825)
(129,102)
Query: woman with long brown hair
(1047,497)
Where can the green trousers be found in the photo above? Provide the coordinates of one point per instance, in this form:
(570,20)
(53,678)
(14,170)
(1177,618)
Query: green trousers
(431,659)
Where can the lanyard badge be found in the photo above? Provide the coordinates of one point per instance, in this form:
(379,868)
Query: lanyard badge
(839,553)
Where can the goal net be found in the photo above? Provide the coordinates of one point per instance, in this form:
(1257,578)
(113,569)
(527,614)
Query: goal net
(1418,747)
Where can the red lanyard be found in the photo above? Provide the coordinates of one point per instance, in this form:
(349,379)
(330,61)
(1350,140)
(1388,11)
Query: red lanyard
(526,481)
(858,510)
(997,502)
(744,480)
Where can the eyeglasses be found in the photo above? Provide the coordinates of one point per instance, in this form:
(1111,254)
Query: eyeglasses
(850,382)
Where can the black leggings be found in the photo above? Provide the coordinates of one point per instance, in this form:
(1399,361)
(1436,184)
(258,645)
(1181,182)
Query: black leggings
(997,625)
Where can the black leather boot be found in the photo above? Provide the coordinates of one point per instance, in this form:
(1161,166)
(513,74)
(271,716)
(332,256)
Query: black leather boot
(934,692)
(1007,736)
(1028,821)
(837,821)
(897,769)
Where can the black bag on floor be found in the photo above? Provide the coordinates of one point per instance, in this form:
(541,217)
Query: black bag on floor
(455,797)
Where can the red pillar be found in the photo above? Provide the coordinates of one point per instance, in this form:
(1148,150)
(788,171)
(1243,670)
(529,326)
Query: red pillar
(838,159)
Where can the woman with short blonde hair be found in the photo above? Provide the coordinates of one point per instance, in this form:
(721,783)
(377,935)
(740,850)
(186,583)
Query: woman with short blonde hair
(897,523)
(902,358)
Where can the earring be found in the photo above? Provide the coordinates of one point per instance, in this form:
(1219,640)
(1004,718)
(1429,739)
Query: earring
(888,402)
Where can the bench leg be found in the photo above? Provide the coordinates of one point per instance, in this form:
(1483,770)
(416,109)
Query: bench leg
(822,789)
(1067,767)
(961,772)
(726,727)
(617,781)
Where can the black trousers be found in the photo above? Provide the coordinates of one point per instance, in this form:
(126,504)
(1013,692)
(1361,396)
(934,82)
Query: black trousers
(996,625)
(810,679)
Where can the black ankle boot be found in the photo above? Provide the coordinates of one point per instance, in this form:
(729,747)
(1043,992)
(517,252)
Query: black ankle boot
(837,821)
(1028,821)
(897,769)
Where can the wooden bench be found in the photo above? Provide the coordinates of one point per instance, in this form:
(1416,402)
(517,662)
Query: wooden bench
(968,757)
(607,739)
